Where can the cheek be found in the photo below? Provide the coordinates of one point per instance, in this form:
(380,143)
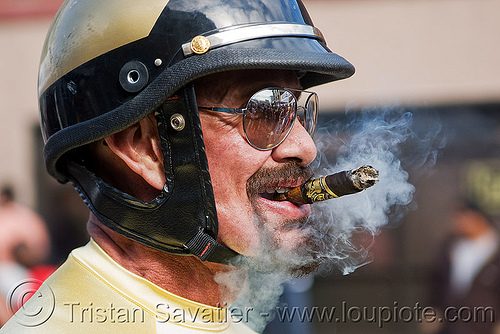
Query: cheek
(231,159)
(230,166)
(223,150)
(231,162)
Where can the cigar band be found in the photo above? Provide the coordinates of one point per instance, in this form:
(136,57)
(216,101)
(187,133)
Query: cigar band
(327,189)
(319,191)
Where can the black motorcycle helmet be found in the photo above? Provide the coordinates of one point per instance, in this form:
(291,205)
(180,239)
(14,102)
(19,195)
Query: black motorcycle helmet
(107,64)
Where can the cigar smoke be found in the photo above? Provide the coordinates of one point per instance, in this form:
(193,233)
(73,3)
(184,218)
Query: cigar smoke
(375,137)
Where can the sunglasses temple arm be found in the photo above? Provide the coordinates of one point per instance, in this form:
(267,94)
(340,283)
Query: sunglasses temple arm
(225,110)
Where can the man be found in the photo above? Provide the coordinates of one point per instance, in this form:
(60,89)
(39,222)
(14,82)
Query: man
(177,121)
(465,285)
(24,244)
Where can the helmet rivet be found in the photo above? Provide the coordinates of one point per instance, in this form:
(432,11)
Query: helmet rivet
(134,76)
(177,122)
(200,45)
(158,62)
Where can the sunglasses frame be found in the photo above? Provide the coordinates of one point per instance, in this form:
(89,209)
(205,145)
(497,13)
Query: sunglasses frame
(243,111)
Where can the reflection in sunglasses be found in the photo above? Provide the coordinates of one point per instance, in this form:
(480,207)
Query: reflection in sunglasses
(271,112)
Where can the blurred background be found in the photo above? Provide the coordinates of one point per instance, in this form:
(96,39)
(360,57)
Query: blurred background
(438,59)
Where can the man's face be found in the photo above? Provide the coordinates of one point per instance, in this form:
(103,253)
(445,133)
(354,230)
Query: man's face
(243,176)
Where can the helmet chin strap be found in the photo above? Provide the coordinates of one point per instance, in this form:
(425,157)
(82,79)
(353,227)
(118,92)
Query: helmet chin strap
(182,220)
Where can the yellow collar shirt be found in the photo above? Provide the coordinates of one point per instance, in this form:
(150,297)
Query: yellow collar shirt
(91,293)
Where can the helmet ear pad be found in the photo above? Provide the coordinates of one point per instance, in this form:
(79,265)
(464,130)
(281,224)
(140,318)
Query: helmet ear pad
(182,219)
(185,164)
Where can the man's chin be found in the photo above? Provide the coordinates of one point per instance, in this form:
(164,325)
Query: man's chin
(305,270)
(289,247)
(282,266)
(295,254)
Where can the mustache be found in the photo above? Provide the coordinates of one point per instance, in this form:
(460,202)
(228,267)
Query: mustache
(288,173)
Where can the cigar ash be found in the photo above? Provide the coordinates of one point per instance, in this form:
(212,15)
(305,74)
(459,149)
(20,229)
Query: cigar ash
(364,177)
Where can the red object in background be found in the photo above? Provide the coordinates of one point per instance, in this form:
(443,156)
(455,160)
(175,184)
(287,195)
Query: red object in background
(41,273)
(28,287)
(14,9)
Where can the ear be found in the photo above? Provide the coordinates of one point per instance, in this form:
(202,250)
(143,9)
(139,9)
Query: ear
(139,147)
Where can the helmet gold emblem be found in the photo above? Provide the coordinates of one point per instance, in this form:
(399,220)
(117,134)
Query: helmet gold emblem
(200,45)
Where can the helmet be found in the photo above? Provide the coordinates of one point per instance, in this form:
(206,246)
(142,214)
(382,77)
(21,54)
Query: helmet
(107,64)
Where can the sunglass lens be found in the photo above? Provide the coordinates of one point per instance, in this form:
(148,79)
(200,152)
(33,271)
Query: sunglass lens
(312,113)
(307,112)
(269,117)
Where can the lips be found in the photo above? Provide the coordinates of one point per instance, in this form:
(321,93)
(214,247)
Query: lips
(270,193)
(266,182)
(286,209)
(269,190)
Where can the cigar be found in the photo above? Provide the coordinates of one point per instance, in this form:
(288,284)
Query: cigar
(331,186)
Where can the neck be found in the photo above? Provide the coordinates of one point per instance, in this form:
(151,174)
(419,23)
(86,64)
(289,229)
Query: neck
(185,276)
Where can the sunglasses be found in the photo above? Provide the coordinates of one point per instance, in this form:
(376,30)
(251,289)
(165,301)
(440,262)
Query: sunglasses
(269,115)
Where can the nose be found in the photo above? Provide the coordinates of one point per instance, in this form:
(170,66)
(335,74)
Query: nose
(299,145)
